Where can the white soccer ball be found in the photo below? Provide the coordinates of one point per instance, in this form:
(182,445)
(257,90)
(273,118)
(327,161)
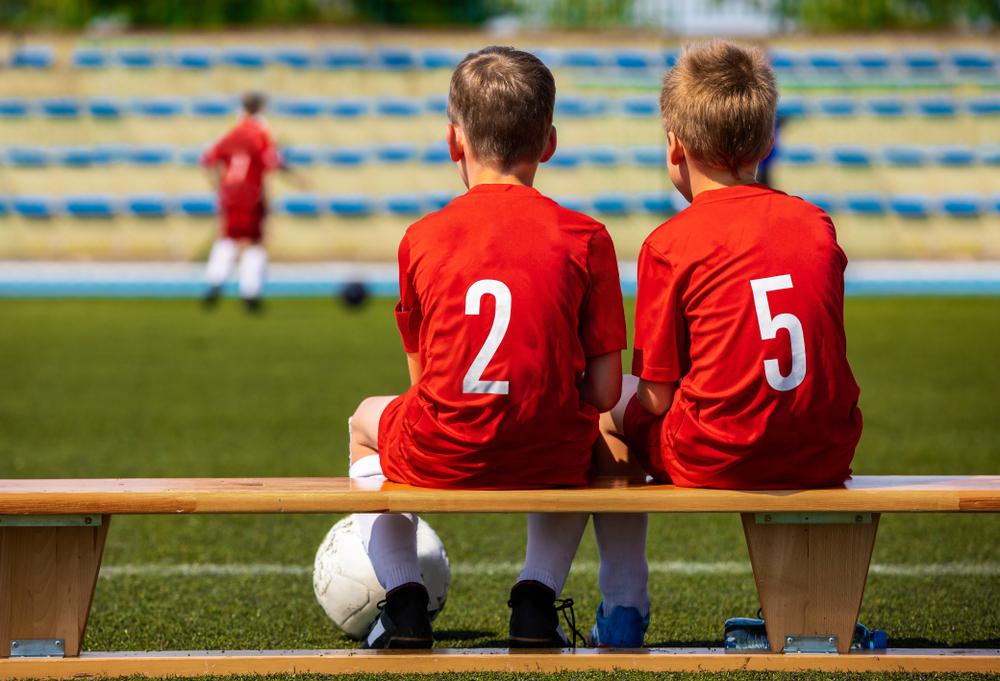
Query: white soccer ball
(345,584)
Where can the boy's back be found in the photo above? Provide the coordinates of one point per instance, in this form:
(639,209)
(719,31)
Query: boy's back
(746,305)
(504,294)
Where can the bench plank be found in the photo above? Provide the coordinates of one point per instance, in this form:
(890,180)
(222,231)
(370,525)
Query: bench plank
(342,495)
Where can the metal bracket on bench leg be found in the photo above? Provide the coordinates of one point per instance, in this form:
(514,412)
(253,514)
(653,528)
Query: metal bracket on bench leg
(50,521)
(813,518)
(38,647)
(811,644)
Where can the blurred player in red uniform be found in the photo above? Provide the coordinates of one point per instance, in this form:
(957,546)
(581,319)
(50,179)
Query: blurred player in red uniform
(741,378)
(238,163)
(511,317)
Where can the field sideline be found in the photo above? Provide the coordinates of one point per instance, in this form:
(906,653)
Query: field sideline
(159,388)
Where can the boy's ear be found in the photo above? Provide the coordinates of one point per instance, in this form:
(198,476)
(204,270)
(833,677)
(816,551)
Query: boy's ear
(550,146)
(456,145)
(675,150)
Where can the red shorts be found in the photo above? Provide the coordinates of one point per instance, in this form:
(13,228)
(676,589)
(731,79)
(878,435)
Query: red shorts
(244,224)
(643,435)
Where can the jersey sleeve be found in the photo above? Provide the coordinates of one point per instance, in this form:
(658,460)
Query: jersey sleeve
(214,154)
(408,313)
(270,157)
(659,321)
(602,320)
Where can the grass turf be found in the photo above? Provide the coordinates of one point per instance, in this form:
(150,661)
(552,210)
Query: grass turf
(159,388)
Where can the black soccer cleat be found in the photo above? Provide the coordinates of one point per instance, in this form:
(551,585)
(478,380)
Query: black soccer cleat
(253,305)
(534,617)
(403,620)
(211,297)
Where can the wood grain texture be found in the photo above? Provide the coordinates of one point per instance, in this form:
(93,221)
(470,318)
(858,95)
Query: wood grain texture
(47,579)
(341,495)
(185,664)
(810,578)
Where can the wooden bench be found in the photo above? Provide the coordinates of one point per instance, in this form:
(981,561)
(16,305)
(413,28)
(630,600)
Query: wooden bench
(809,550)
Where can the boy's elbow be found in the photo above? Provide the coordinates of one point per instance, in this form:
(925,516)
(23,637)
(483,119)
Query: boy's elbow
(655,398)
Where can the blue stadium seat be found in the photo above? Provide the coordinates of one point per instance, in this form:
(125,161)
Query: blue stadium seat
(961,205)
(197,205)
(344,58)
(640,106)
(798,154)
(435,153)
(436,104)
(566,158)
(158,107)
(152,205)
(351,205)
(438,200)
(577,106)
(988,105)
(190,156)
(909,205)
(398,107)
(111,152)
(396,59)
(864,203)
(550,56)
(827,202)
(25,156)
(658,203)
(612,203)
(937,107)
(989,154)
(151,155)
(348,156)
(80,157)
(213,107)
(439,58)
(972,60)
(851,155)
(14,107)
(106,108)
(302,107)
(886,107)
(137,58)
(904,155)
(404,204)
(994,202)
(300,205)
(649,155)
(59,107)
(636,59)
(351,107)
(785,61)
(4,208)
(33,206)
(244,57)
(873,60)
(669,57)
(603,155)
(293,57)
(585,58)
(954,155)
(194,58)
(396,152)
(922,60)
(92,206)
(826,60)
(577,203)
(33,57)
(300,155)
(793,107)
(838,106)
(90,58)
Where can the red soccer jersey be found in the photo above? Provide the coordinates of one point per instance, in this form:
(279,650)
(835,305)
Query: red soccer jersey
(741,300)
(247,152)
(504,294)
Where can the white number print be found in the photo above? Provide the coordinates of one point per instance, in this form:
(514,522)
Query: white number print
(501,319)
(769,329)
(237,170)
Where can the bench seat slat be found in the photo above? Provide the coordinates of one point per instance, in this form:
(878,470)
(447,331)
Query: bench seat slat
(341,495)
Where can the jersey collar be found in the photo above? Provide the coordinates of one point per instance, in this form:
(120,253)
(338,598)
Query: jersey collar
(738,191)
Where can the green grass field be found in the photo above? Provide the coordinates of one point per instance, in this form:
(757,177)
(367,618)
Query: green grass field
(160,388)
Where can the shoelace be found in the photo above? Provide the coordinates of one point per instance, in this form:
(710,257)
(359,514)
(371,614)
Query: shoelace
(562,605)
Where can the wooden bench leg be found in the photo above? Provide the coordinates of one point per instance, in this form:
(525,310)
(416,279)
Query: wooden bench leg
(48,571)
(810,570)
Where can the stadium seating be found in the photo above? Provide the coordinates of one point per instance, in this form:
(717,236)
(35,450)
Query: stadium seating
(300,205)
(864,203)
(90,206)
(909,205)
(34,206)
(404,204)
(194,58)
(14,107)
(151,155)
(244,57)
(198,205)
(962,205)
(293,57)
(32,57)
(612,203)
(352,206)
(400,152)
(348,156)
(137,58)
(147,205)
(851,156)
(904,155)
(28,156)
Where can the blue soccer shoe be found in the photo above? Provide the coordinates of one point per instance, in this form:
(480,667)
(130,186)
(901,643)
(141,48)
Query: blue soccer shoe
(623,628)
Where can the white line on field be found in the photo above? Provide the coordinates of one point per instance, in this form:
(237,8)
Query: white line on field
(506,569)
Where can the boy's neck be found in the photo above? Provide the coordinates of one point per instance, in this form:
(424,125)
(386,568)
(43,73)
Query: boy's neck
(520,174)
(705,179)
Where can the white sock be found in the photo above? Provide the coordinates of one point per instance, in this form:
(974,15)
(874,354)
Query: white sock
(553,539)
(624,575)
(253,265)
(220,261)
(391,542)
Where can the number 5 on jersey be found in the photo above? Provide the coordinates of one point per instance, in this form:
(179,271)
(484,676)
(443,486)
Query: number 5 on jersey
(472,382)
(769,330)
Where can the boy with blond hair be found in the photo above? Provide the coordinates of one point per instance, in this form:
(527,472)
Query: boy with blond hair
(511,317)
(740,373)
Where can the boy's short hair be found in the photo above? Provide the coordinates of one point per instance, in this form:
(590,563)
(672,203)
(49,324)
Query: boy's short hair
(720,100)
(503,99)
(254,102)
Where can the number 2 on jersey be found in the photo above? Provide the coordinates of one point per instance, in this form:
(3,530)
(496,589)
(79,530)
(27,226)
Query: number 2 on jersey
(769,329)
(472,382)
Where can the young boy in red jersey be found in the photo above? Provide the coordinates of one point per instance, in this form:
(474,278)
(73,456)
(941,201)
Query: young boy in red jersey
(741,379)
(512,321)
(238,163)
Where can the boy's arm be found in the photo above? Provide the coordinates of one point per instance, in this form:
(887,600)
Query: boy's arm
(601,384)
(655,397)
(414,366)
